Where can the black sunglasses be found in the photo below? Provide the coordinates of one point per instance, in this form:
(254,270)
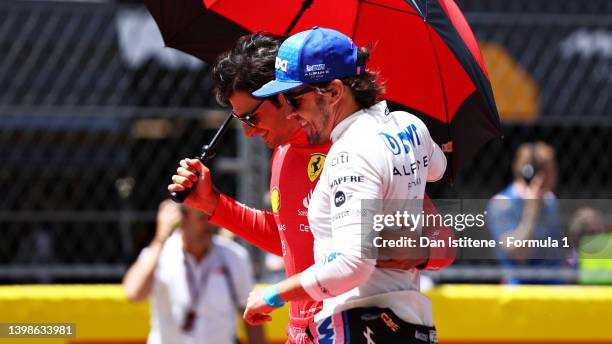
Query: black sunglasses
(292,97)
(249,118)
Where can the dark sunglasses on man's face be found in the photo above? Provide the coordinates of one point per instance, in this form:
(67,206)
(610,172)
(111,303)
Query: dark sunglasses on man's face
(249,118)
(292,97)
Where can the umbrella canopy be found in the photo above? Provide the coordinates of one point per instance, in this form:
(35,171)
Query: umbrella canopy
(186,25)
(425,52)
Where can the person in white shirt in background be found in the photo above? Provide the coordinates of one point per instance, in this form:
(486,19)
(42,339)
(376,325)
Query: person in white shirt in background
(376,155)
(197,282)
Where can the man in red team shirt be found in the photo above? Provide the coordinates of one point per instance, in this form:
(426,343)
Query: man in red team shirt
(295,166)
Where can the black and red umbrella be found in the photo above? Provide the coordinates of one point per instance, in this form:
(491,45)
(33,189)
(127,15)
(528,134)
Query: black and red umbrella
(424,50)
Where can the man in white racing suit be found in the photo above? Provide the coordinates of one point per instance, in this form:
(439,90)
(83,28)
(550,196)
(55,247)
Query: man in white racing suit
(376,157)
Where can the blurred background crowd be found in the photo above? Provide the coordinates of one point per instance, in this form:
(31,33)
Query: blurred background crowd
(95,114)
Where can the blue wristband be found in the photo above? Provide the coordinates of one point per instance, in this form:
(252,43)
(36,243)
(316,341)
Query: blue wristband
(272,297)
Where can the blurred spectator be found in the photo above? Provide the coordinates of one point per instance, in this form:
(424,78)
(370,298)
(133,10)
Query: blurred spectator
(198,282)
(593,246)
(527,210)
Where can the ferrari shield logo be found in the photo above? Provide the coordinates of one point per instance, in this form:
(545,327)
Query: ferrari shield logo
(315,166)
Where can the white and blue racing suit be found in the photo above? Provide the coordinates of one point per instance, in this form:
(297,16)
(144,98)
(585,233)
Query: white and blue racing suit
(376,155)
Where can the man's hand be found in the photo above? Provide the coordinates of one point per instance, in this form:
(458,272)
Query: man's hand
(139,279)
(256,312)
(534,194)
(193,174)
(168,218)
(535,189)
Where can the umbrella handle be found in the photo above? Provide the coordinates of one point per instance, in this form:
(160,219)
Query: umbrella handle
(208,152)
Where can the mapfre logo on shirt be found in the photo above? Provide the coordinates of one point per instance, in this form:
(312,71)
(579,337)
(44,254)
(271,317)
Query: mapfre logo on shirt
(315,166)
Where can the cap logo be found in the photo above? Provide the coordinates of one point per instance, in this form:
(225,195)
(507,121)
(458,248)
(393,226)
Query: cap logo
(315,68)
(281,64)
(311,56)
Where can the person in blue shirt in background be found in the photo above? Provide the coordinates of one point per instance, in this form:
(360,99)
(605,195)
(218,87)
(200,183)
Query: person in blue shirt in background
(528,210)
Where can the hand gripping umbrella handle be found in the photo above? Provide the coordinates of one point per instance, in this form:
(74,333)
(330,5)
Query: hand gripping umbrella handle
(208,152)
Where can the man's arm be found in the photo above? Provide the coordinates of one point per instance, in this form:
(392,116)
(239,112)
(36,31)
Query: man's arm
(315,283)
(257,309)
(256,226)
(139,279)
(434,258)
(439,257)
(500,219)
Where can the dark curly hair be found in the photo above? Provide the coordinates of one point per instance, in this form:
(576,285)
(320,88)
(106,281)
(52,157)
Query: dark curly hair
(247,66)
(365,87)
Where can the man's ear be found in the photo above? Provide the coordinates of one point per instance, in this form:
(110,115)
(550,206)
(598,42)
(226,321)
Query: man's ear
(336,91)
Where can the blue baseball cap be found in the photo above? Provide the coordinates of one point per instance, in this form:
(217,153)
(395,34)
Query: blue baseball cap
(313,56)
